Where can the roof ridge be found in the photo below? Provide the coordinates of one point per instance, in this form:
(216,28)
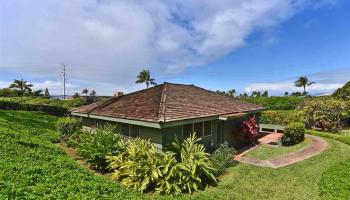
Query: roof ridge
(162,104)
(106,103)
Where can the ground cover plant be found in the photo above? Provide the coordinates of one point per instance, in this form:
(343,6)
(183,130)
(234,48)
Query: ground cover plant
(267,152)
(33,167)
(335,181)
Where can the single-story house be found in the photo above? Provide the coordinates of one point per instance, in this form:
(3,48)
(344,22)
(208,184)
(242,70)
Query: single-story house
(166,111)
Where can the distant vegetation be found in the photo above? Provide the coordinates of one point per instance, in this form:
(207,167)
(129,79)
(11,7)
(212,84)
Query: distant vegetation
(343,92)
(277,103)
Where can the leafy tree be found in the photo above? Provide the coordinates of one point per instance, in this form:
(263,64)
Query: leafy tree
(93,93)
(231,93)
(85,91)
(296,94)
(21,86)
(343,92)
(265,94)
(303,82)
(286,93)
(47,93)
(36,93)
(76,95)
(145,77)
(256,94)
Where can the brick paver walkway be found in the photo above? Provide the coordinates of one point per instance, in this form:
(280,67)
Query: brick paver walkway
(317,146)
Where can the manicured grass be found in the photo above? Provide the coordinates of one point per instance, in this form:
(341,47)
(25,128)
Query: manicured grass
(266,152)
(335,182)
(342,137)
(32,167)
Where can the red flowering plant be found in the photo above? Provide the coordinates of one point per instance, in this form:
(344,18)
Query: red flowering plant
(250,128)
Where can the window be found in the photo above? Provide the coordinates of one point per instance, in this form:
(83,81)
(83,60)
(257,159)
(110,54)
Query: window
(125,129)
(187,130)
(134,131)
(198,129)
(207,128)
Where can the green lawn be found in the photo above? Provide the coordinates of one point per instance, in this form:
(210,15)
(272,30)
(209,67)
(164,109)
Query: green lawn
(342,137)
(33,167)
(266,152)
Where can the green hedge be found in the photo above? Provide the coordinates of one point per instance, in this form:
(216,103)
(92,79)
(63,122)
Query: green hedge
(294,133)
(281,117)
(52,110)
(69,103)
(276,103)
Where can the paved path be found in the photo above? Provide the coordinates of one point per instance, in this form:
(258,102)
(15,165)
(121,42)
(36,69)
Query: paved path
(317,146)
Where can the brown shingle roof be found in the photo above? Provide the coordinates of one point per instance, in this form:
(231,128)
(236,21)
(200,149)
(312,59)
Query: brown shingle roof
(168,102)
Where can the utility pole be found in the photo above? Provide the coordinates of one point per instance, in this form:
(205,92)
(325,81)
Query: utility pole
(64,75)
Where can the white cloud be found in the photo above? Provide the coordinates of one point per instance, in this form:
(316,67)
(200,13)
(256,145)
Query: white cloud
(108,42)
(56,87)
(279,88)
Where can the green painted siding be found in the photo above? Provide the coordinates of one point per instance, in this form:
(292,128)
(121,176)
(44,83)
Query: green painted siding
(221,131)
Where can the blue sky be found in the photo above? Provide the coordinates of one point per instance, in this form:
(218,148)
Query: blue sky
(242,45)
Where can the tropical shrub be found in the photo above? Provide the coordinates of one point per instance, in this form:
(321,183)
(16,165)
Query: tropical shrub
(143,167)
(67,126)
(222,158)
(294,133)
(276,103)
(138,166)
(194,165)
(325,113)
(250,128)
(282,117)
(95,146)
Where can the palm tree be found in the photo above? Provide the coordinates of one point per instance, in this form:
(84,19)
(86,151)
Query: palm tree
(145,77)
(21,86)
(304,82)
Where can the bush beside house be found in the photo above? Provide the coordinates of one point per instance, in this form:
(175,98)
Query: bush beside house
(294,133)
(139,165)
(68,126)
